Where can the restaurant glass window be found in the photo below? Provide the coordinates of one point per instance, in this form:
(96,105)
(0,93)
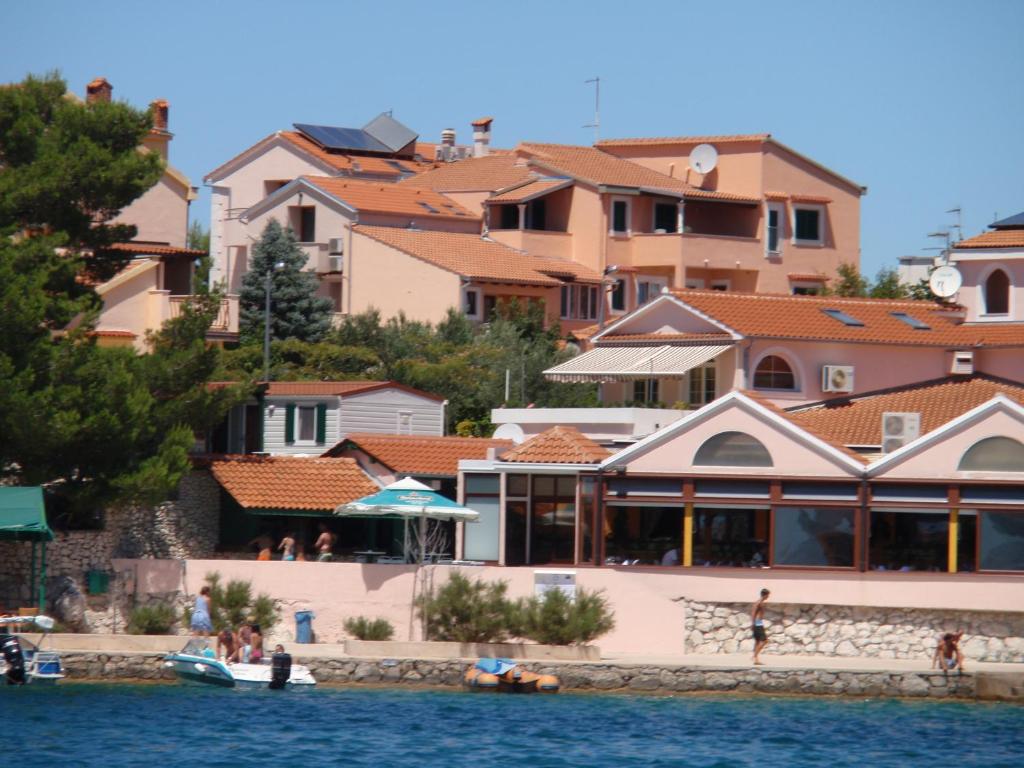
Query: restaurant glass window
(1002,541)
(553,519)
(730,537)
(642,535)
(517,510)
(588,486)
(482,495)
(909,541)
(822,536)
(966,541)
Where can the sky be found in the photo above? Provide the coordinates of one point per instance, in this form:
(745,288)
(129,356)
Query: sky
(921,102)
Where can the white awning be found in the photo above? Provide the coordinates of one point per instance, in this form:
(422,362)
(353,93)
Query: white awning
(630,363)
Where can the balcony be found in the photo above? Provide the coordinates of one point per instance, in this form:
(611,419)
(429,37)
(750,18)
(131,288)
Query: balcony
(226,322)
(536,242)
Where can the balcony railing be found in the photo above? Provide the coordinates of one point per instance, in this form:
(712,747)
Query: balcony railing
(227,314)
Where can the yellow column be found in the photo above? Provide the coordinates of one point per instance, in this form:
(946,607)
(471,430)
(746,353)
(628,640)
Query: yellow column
(954,536)
(688,535)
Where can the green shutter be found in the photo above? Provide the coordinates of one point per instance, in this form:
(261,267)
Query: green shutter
(289,423)
(321,423)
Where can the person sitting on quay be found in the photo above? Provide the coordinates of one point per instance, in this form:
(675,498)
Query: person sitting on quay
(200,623)
(287,546)
(227,641)
(324,545)
(948,654)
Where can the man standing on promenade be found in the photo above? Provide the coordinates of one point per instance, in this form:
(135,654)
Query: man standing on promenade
(757,618)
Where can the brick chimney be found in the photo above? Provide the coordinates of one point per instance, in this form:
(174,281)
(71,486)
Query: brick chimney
(159,109)
(482,136)
(98,90)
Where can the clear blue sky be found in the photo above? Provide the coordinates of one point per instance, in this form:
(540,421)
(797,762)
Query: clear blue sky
(919,101)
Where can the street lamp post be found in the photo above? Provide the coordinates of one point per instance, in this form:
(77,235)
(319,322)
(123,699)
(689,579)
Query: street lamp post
(266,318)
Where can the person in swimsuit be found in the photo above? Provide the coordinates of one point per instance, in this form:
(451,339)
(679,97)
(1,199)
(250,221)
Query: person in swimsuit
(257,645)
(243,652)
(948,654)
(324,545)
(227,640)
(287,546)
(757,619)
(200,623)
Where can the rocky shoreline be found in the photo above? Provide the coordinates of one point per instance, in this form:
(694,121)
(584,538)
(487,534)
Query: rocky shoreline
(596,677)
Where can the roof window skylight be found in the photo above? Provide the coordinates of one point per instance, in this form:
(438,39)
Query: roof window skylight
(842,317)
(428,207)
(913,322)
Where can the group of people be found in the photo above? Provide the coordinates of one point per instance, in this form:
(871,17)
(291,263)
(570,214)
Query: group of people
(947,656)
(293,550)
(242,646)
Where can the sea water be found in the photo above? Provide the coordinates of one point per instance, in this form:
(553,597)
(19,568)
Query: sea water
(75,724)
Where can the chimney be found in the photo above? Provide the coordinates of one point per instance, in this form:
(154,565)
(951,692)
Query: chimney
(446,152)
(481,136)
(159,109)
(98,90)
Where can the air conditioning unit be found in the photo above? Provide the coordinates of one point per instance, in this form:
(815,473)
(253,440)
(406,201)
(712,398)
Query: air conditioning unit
(837,378)
(898,429)
(336,263)
(963,362)
(336,246)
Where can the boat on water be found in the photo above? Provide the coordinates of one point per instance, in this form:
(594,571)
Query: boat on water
(505,676)
(197,663)
(24,661)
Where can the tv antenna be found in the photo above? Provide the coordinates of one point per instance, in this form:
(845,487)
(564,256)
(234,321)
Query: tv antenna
(959,223)
(596,125)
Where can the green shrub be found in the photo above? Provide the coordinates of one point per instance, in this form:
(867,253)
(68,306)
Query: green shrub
(556,619)
(234,604)
(153,619)
(363,628)
(467,611)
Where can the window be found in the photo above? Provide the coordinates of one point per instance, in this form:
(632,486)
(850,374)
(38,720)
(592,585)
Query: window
(307,224)
(812,536)
(553,522)
(913,322)
(271,186)
(807,225)
(334,294)
(648,288)
(806,289)
(732,449)
(994,454)
(666,217)
(645,390)
(404,423)
(643,535)
(720,285)
(730,537)
(1002,541)
(773,233)
(909,541)
(842,317)
(997,293)
(579,302)
(537,214)
(428,207)
(620,217)
(509,217)
(702,385)
(490,304)
(774,373)
(307,423)
(481,538)
(618,295)
(472,303)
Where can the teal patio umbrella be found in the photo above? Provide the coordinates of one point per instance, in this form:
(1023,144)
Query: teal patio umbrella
(408,499)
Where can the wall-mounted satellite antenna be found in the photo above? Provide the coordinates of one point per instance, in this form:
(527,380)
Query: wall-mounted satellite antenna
(703,159)
(945,281)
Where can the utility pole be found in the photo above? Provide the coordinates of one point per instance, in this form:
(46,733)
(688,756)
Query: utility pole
(596,125)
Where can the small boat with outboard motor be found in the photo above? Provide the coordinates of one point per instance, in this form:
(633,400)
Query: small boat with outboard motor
(505,676)
(24,661)
(197,663)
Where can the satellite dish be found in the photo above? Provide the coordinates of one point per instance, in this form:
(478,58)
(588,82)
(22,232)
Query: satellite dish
(511,432)
(945,281)
(703,158)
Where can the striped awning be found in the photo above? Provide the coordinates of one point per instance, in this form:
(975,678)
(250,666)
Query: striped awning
(630,363)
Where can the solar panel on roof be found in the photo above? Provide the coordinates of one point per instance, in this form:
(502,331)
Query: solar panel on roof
(842,317)
(389,132)
(333,137)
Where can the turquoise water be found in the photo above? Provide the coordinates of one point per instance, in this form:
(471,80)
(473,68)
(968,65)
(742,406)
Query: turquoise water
(169,725)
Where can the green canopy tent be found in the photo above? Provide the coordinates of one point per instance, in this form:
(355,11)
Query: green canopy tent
(23,518)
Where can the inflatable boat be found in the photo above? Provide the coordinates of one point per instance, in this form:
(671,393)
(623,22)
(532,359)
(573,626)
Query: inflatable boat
(505,676)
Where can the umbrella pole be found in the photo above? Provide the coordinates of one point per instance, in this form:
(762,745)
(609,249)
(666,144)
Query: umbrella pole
(405,537)
(423,538)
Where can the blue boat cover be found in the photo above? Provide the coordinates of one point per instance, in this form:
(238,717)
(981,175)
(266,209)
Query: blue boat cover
(495,666)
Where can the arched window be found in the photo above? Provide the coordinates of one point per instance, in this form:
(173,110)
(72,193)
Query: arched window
(774,373)
(997,293)
(732,449)
(994,454)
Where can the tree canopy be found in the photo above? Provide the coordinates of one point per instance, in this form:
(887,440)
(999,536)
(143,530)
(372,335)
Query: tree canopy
(886,285)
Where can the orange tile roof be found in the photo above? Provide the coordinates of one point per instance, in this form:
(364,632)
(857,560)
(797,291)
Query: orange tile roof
(527,191)
(596,167)
(661,338)
(474,174)
(558,445)
(781,316)
(998,238)
(334,388)
(416,455)
(475,258)
(137,248)
(723,139)
(288,482)
(800,198)
(114,334)
(776,195)
(858,420)
(374,197)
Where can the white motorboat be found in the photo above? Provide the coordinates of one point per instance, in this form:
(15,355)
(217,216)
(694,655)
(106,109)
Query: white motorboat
(197,663)
(24,661)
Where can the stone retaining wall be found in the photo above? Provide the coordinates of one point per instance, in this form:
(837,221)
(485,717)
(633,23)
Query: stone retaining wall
(187,527)
(836,630)
(623,678)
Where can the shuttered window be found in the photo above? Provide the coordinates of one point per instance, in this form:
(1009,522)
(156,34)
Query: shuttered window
(321,423)
(289,423)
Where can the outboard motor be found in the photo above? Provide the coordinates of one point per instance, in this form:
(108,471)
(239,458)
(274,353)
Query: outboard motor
(15,658)
(280,670)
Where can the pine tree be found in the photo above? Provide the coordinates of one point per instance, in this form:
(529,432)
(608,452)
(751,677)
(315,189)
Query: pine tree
(296,312)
